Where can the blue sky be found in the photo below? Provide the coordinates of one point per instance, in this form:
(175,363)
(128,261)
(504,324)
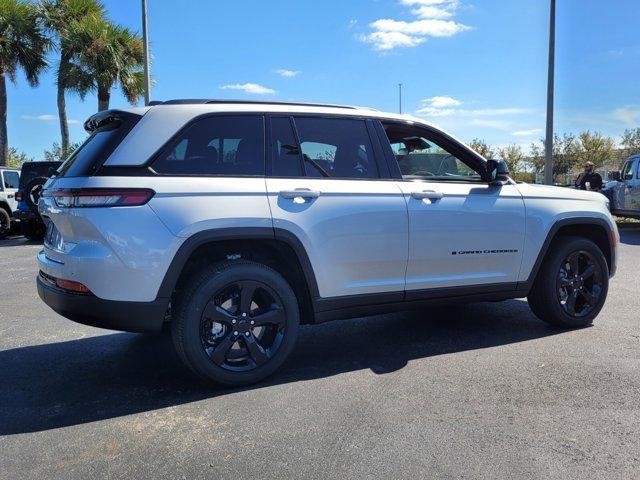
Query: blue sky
(475,67)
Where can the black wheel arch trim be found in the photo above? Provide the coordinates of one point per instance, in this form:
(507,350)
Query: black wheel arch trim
(241,233)
(572,221)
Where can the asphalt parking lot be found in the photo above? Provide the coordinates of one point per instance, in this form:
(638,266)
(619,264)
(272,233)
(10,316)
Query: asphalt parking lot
(478,391)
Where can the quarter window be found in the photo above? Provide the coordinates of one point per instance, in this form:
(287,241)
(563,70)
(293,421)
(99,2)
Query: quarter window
(220,145)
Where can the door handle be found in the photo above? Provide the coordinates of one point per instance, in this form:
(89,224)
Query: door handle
(430,194)
(299,193)
(10,195)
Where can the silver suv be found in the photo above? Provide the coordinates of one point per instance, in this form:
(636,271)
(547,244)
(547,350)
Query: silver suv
(237,221)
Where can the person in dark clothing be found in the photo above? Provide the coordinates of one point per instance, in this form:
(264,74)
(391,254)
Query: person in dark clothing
(588,179)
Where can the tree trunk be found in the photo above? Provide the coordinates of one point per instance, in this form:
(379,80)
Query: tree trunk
(103,98)
(4,139)
(62,105)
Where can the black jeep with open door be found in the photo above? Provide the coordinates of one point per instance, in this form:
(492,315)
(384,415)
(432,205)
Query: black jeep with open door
(32,177)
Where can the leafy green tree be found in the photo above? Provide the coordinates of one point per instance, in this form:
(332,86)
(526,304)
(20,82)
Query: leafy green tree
(513,156)
(565,155)
(109,55)
(536,158)
(631,141)
(16,158)
(593,147)
(58,154)
(23,46)
(59,16)
(481,147)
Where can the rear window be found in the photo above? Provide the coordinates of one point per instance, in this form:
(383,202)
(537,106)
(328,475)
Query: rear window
(11,179)
(219,145)
(90,156)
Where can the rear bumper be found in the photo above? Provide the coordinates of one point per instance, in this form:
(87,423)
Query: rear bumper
(96,312)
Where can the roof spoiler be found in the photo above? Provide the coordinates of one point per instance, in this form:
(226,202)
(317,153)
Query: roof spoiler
(107,117)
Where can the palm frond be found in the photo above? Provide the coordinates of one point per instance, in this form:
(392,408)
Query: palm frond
(23,43)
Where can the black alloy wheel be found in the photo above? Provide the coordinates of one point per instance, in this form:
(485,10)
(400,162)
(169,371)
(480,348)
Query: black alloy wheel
(579,283)
(242,326)
(572,284)
(235,322)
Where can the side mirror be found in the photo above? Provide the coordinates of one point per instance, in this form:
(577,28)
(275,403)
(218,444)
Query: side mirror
(498,172)
(614,175)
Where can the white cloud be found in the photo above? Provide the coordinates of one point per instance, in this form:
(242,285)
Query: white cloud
(434,19)
(384,41)
(527,133)
(441,101)
(432,12)
(446,110)
(47,117)
(283,72)
(441,107)
(440,9)
(252,88)
(627,115)
(491,123)
(493,112)
(422,28)
(435,112)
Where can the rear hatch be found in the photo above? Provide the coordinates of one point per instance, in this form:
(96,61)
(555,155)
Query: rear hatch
(106,130)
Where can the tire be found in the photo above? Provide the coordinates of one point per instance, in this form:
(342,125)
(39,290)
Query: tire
(217,341)
(32,192)
(572,284)
(33,230)
(5,223)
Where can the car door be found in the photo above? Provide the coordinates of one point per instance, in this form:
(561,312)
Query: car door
(326,186)
(10,181)
(632,194)
(462,231)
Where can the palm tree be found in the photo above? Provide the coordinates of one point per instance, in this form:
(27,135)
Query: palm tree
(110,54)
(58,16)
(23,45)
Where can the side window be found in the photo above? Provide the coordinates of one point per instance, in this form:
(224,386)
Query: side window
(336,147)
(421,156)
(285,152)
(11,179)
(218,145)
(638,169)
(627,174)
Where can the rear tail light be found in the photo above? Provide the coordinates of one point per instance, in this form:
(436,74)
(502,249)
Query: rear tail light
(72,286)
(18,196)
(68,285)
(102,197)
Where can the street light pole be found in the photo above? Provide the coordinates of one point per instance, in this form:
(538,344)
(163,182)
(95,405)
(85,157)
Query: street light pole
(145,42)
(548,153)
(400,98)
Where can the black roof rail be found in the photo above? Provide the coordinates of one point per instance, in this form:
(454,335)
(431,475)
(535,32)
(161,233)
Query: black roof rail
(188,101)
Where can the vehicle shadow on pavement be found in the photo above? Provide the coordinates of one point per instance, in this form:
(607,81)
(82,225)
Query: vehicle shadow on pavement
(17,241)
(68,383)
